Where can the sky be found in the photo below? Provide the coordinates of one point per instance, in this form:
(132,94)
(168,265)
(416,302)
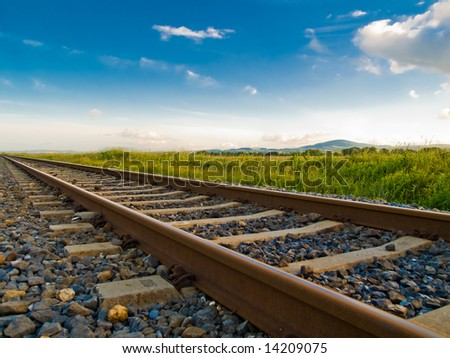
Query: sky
(188,75)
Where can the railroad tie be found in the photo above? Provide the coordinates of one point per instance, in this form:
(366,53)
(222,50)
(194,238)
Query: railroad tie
(130,192)
(68,228)
(165,201)
(316,228)
(141,292)
(139,196)
(95,250)
(228,219)
(437,320)
(350,259)
(56,213)
(41,198)
(190,209)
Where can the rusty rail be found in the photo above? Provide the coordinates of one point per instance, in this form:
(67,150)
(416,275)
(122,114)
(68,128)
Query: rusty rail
(416,222)
(280,304)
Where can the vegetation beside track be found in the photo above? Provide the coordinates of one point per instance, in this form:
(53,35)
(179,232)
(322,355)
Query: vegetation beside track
(420,177)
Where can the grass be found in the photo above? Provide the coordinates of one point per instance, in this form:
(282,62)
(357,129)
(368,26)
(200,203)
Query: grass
(419,177)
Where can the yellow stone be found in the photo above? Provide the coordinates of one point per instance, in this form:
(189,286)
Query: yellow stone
(117,314)
(105,275)
(100,238)
(12,294)
(9,222)
(66,294)
(2,259)
(193,332)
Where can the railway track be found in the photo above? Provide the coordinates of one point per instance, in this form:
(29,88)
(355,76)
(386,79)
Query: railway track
(59,281)
(268,255)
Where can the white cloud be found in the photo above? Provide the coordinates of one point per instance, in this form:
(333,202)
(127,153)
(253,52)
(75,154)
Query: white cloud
(6,82)
(422,40)
(95,113)
(444,87)
(32,43)
(167,32)
(358,13)
(366,64)
(396,68)
(116,62)
(314,43)
(143,136)
(413,94)
(251,90)
(72,51)
(200,80)
(444,113)
(38,84)
(148,63)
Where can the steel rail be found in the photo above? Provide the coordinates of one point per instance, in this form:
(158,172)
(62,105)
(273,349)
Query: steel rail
(411,221)
(279,303)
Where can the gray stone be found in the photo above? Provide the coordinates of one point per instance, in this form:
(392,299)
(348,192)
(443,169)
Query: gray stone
(175,321)
(13,272)
(399,310)
(64,333)
(45,304)
(20,327)
(81,331)
(136,324)
(49,329)
(91,303)
(204,316)
(35,281)
(388,265)
(432,303)
(104,324)
(391,276)
(4,321)
(229,326)
(125,334)
(44,315)
(20,264)
(396,297)
(74,321)
(242,328)
(390,247)
(125,273)
(100,333)
(383,303)
(410,285)
(151,261)
(76,309)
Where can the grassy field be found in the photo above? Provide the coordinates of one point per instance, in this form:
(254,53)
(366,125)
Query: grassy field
(419,177)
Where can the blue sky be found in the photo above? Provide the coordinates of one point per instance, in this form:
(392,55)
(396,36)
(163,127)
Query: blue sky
(186,75)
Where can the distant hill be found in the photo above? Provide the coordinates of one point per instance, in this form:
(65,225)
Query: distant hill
(333,145)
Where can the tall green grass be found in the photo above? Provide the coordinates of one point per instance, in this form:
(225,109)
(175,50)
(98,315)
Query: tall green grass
(419,177)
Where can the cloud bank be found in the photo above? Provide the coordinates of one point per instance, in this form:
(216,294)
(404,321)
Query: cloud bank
(420,41)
